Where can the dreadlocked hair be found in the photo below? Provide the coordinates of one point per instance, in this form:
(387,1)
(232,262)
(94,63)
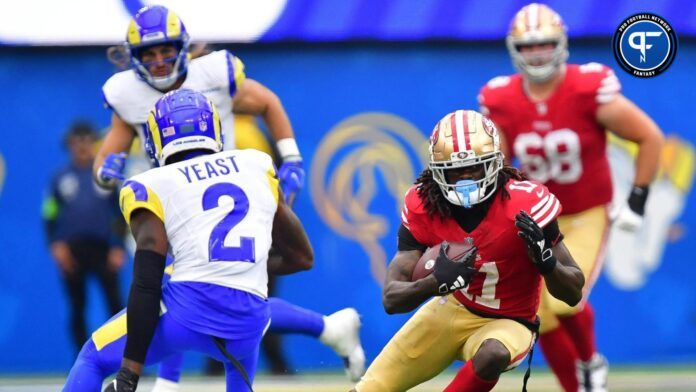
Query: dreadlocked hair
(435,202)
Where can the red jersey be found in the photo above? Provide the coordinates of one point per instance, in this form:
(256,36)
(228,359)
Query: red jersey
(558,142)
(507,284)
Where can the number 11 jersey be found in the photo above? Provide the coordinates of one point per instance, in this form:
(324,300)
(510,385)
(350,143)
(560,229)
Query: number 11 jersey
(558,142)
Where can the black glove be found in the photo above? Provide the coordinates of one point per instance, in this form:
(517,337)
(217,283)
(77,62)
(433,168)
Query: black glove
(538,249)
(452,275)
(125,381)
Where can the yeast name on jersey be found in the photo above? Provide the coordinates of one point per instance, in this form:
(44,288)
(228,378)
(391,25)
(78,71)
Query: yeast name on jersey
(205,170)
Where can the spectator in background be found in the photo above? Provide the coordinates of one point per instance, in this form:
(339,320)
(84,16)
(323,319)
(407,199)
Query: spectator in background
(84,228)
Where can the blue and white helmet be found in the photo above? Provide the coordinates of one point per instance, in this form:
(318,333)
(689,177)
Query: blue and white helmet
(182,120)
(156,25)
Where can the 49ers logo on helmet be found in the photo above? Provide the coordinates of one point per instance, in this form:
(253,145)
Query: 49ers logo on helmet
(489,127)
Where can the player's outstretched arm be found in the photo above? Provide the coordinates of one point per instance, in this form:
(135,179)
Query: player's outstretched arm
(108,166)
(628,121)
(254,98)
(400,294)
(144,297)
(290,240)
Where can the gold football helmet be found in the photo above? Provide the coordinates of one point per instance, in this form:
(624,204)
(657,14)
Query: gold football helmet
(461,139)
(537,24)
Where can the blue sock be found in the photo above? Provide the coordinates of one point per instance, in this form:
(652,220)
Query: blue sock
(289,318)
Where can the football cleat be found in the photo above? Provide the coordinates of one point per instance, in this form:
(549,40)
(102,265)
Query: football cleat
(592,375)
(537,24)
(342,334)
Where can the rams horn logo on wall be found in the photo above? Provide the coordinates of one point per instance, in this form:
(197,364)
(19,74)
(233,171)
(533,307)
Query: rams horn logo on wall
(350,164)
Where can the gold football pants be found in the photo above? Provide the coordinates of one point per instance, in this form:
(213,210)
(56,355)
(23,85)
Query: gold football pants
(440,332)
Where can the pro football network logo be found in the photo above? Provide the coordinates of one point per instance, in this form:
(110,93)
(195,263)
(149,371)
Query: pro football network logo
(360,173)
(645,45)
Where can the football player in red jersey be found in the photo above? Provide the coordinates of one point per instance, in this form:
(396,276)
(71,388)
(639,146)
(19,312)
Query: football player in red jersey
(552,117)
(467,195)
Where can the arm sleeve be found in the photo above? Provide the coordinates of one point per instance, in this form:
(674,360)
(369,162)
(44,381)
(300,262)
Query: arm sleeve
(406,241)
(143,303)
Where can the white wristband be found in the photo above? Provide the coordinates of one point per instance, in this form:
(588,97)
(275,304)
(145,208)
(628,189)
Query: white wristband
(287,148)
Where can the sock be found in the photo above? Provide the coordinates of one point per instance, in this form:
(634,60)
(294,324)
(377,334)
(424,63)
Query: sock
(561,356)
(466,380)
(170,368)
(580,327)
(289,318)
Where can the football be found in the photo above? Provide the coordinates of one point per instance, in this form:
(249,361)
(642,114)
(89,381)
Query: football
(426,264)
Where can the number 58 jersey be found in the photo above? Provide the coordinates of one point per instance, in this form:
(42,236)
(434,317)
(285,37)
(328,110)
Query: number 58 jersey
(218,213)
(559,141)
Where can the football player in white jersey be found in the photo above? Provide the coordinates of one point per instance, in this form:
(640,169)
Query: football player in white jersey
(158,47)
(218,213)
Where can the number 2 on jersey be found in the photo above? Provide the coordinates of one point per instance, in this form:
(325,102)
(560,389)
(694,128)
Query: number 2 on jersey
(217,251)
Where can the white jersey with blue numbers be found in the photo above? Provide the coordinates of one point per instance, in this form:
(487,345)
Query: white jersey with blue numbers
(216,75)
(218,212)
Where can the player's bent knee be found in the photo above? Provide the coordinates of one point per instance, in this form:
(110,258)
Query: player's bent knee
(491,359)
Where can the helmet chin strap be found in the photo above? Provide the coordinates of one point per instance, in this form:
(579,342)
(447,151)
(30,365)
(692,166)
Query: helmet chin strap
(465,193)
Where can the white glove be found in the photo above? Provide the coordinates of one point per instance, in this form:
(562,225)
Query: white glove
(626,219)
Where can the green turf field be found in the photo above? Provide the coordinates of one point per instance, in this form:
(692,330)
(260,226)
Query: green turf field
(620,380)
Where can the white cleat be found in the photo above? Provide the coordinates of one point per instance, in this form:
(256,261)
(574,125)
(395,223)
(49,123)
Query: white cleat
(342,334)
(593,374)
(164,385)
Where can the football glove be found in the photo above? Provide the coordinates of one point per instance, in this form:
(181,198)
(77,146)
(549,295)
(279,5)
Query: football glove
(629,217)
(112,169)
(452,275)
(538,249)
(125,381)
(292,178)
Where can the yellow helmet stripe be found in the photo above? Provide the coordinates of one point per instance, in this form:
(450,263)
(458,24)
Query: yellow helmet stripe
(133,35)
(173,25)
(153,128)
